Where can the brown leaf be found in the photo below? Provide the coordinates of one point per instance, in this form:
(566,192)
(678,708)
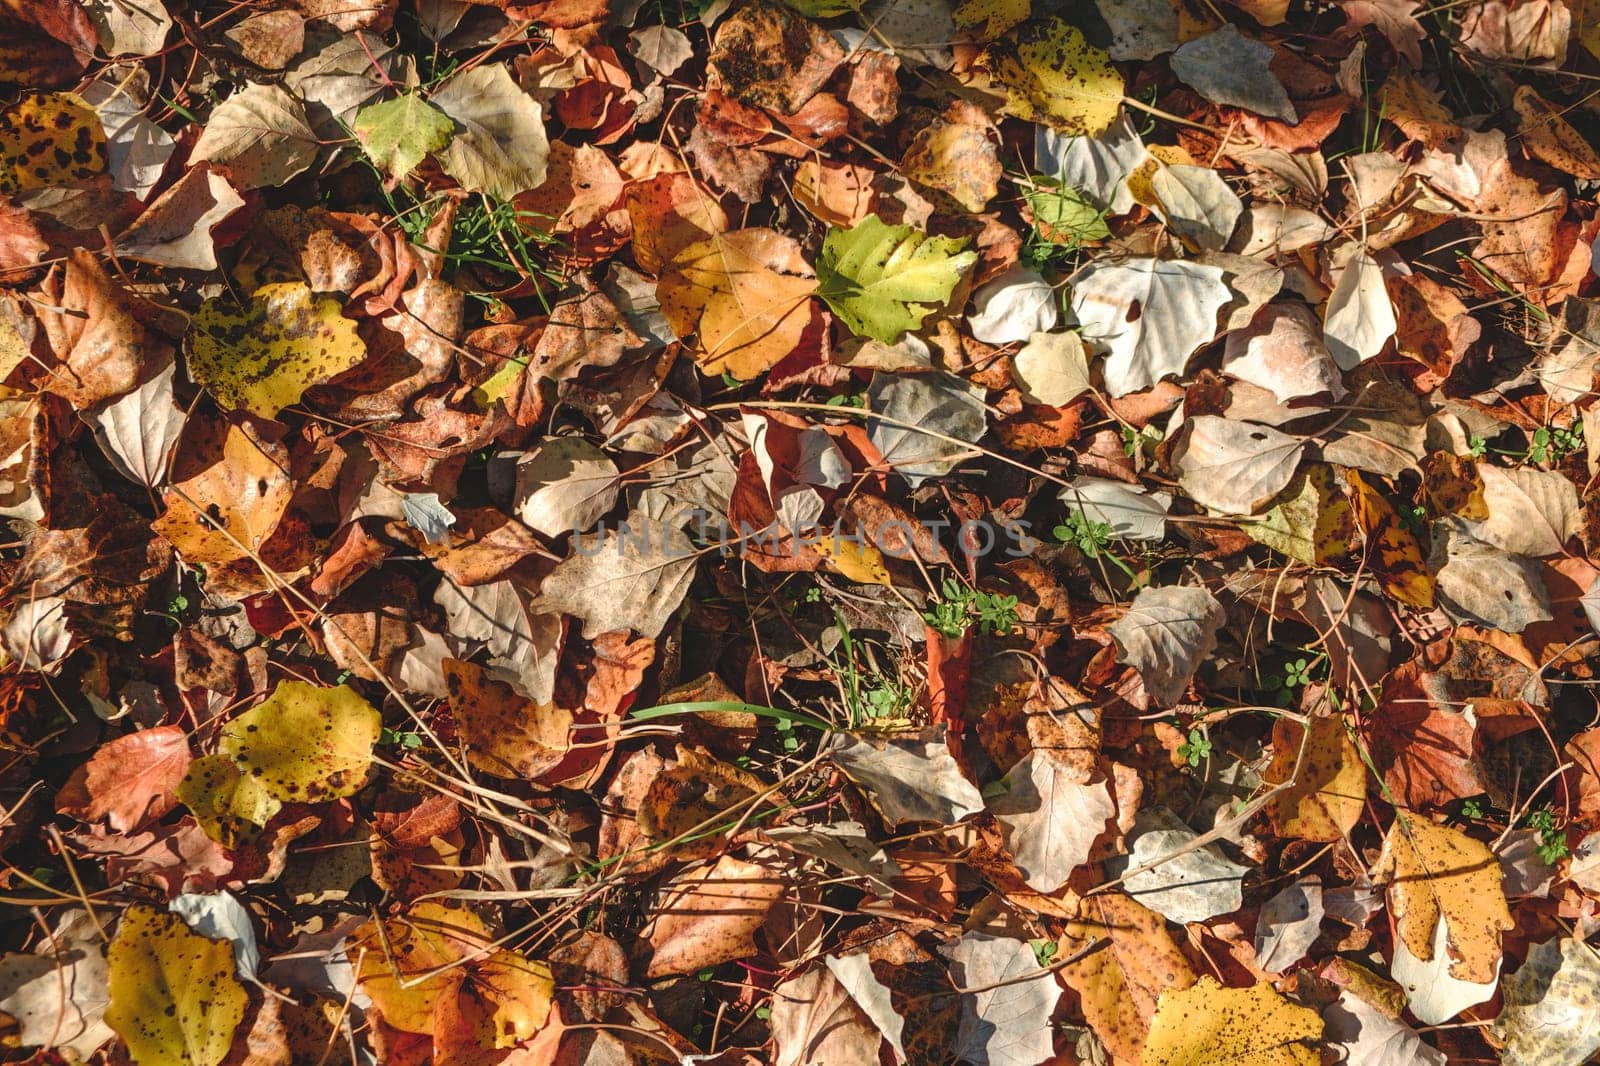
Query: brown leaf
(669,212)
(133,779)
(956,154)
(767,55)
(505,734)
(102,348)
(1548,136)
(44,43)
(707,917)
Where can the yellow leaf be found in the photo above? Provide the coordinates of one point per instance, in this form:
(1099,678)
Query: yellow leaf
(504,733)
(1120,983)
(1052,75)
(1393,552)
(305,743)
(990,18)
(395,964)
(1436,874)
(746,295)
(174,998)
(50,139)
(261,357)
(956,154)
(1327,796)
(240,483)
(229,804)
(855,560)
(1209,1025)
(1549,137)
(392,964)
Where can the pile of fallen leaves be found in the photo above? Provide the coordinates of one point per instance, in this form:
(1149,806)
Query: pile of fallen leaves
(838,532)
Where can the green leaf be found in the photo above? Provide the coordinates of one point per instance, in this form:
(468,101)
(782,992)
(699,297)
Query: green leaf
(174,998)
(1062,215)
(823,9)
(305,743)
(883,280)
(397,134)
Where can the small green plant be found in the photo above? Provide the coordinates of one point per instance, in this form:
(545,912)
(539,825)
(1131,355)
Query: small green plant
(871,696)
(959,608)
(178,604)
(1472,809)
(1552,837)
(1137,442)
(1195,750)
(1092,539)
(1553,443)
(404,740)
(1043,951)
(1477,446)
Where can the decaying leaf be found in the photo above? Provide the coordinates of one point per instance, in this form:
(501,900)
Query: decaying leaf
(305,743)
(746,297)
(1209,1025)
(264,355)
(1166,634)
(1440,877)
(1150,314)
(1053,75)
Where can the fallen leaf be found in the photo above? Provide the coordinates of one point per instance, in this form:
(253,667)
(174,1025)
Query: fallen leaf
(710,916)
(1165,635)
(1052,368)
(1192,883)
(1053,75)
(1234,467)
(174,996)
(259,136)
(745,295)
(1151,314)
(1288,925)
(1197,205)
(883,280)
(1226,67)
(1531,512)
(815,1020)
(504,733)
(913,408)
(1051,818)
(1013,307)
(398,134)
(49,139)
(1209,1025)
(766,55)
(631,577)
(1359,319)
(1438,876)
(305,743)
(132,779)
(1324,800)
(1005,1019)
(263,356)
(499,146)
(1551,1005)
(1134,962)
(175,230)
(956,154)
(1369,1037)
(909,778)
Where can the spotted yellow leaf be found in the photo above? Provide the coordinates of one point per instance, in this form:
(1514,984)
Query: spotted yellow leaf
(229,804)
(50,139)
(174,998)
(262,356)
(1053,75)
(1550,138)
(305,743)
(988,19)
(1209,1025)
(1311,522)
(1393,552)
(1439,874)
(855,560)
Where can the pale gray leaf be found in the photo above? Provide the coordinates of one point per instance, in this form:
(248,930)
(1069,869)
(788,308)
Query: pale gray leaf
(632,577)
(1234,467)
(1151,315)
(1096,166)
(909,778)
(499,146)
(1165,635)
(138,430)
(1228,68)
(1050,818)
(1006,1020)
(1193,883)
(918,403)
(1288,925)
